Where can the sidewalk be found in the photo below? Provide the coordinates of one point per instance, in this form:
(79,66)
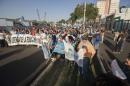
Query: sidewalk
(110,46)
(106,53)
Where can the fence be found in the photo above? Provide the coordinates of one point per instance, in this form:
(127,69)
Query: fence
(117,25)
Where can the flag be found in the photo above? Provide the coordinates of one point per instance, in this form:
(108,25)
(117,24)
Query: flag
(45,51)
(59,48)
(69,51)
(79,57)
(116,70)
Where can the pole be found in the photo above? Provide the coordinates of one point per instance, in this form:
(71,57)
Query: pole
(44,16)
(84,14)
(38,14)
(126,13)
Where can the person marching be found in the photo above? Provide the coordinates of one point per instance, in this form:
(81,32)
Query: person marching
(89,52)
(2,39)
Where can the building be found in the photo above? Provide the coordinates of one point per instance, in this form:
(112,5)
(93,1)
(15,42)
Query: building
(101,6)
(124,15)
(114,6)
(110,7)
(3,22)
(10,22)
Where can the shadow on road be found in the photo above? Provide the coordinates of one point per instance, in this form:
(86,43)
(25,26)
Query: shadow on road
(17,71)
(109,45)
(108,37)
(10,53)
(110,55)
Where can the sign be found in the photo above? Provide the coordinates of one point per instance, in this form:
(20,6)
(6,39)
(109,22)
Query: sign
(80,56)
(116,70)
(45,51)
(59,48)
(69,51)
(24,39)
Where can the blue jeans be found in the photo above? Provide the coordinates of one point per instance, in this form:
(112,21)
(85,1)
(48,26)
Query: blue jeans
(87,73)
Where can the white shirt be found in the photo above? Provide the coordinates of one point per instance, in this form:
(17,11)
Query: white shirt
(13,32)
(43,35)
(1,36)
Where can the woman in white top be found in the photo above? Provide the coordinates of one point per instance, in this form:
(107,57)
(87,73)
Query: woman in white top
(2,39)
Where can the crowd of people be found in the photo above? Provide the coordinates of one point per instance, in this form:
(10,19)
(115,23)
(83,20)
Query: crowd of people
(119,39)
(77,46)
(85,42)
(68,43)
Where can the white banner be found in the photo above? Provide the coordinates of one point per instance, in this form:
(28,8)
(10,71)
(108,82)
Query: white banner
(24,39)
(69,51)
(116,70)
(80,56)
(45,51)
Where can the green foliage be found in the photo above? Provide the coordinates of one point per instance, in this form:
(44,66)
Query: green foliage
(35,23)
(73,17)
(91,12)
(79,11)
(62,21)
(39,23)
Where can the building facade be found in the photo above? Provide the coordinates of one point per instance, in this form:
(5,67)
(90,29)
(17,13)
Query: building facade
(109,7)
(101,6)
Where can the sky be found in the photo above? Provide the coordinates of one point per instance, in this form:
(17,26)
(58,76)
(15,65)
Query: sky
(55,9)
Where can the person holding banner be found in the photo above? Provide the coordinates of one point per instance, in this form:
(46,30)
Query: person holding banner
(117,71)
(33,31)
(53,42)
(120,70)
(69,49)
(88,54)
(96,40)
(71,55)
(58,51)
(45,50)
(102,35)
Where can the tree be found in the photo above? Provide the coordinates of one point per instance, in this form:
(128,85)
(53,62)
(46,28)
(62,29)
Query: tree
(62,21)
(35,23)
(73,17)
(39,23)
(91,12)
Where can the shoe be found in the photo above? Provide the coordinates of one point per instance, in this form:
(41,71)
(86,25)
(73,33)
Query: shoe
(115,52)
(53,59)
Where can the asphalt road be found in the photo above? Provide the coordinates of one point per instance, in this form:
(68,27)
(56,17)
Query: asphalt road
(18,63)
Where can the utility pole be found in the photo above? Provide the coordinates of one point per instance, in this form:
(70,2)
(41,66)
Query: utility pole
(38,14)
(84,15)
(45,16)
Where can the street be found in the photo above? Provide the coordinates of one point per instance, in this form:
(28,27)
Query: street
(25,65)
(18,63)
